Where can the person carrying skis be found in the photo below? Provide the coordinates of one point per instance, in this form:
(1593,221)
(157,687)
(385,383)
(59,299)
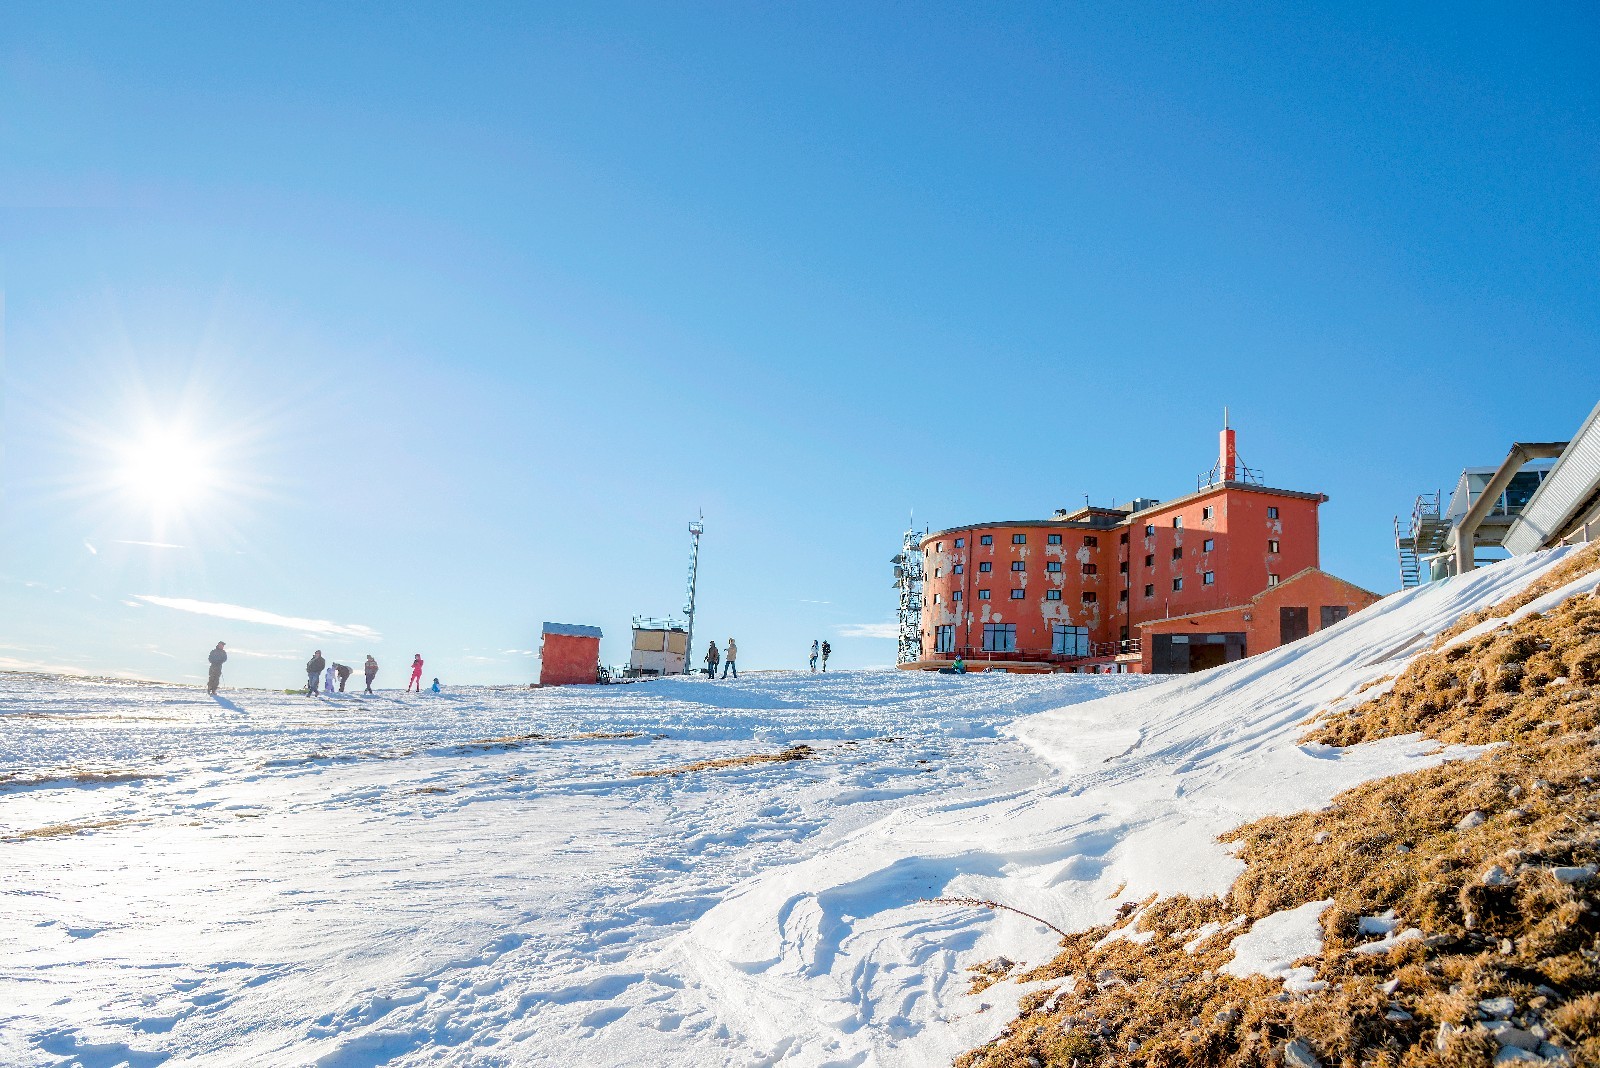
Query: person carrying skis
(344,671)
(727,661)
(217,657)
(416,674)
(314,668)
(372,671)
(712,657)
(826,649)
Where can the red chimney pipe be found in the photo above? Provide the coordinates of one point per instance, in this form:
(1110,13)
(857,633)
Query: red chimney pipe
(1228,458)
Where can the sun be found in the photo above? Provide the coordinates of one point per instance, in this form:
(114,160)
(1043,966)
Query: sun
(166,469)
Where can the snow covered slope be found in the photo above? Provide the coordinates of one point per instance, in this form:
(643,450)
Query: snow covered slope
(408,880)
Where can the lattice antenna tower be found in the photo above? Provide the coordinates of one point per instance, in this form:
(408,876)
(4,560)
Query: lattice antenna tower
(908,576)
(696,528)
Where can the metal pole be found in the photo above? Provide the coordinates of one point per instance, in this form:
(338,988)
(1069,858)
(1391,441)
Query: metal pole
(696,528)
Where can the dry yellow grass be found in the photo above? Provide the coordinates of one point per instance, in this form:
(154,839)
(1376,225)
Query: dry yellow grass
(57,830)
(794,752)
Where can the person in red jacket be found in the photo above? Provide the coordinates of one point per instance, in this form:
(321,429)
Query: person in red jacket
(416,675)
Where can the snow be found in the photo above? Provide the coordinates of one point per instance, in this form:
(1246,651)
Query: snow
(408,880)
(1275,942)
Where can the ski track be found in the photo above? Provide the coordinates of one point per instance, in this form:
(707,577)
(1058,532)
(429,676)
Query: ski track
(356,882)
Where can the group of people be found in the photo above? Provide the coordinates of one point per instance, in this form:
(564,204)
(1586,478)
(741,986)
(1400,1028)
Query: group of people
(727,660)
(321,674)
(824,649)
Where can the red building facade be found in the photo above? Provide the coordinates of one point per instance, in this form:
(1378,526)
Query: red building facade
(1074,589)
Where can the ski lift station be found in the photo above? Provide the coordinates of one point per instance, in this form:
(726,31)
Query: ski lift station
(569,654)
(660,647)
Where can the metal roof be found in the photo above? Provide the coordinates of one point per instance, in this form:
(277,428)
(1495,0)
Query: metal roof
(572,630)
(1571,484)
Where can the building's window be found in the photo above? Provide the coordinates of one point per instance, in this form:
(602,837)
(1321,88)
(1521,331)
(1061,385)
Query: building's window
(1091,569)
(1272,512)
(1149,530)
(1177,553)
(1124,632)
(936,598)
(1272,580)
(1149,589)
(1052,595)
(987,539)
(1067,640)
(1000,637)
(938,571)
(1177,584)
(1122,568)
(1149,559)
(1208,512)
(1053,539)
(960,542)
(1019,565)
(1333,613)
(1177,522)
(958,569)
(1122,596)
(983,595)
(1123,540)
(955,595)
(944,639)
(1053,565)
(1208,579)
(1092,541)
(1090,597)
(1272,545)
(1207,545)
(984,567)
(1019,539)
(938,546)
(1017,595)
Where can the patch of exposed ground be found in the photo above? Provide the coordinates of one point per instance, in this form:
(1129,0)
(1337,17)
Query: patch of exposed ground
(1582,562)
(1482,871)
(18,780)
(794,752)
(57,830)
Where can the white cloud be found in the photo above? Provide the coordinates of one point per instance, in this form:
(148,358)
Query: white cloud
(517,652)
(92,550)
(889,631)
(234,650)
(147,544)
(255,615)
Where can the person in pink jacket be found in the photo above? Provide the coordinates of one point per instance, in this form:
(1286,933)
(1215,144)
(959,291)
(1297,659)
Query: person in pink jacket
(416,675)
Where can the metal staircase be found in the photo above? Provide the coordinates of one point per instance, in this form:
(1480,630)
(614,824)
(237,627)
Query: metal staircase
(1423,539)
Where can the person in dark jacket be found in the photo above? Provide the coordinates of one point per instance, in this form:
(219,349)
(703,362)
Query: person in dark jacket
(344,671)
(218,657)
(314,668)
(713,658)
(826,649)
(371,670)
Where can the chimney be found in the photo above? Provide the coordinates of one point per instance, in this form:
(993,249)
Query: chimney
(1228,454)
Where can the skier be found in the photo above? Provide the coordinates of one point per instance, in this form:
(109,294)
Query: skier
(813,654)
(826,649)
(218,657)
(372,671)
(327,682)
(727,661)
(435,685)
(314,668)
(344,671)
(712,656)
(416,674)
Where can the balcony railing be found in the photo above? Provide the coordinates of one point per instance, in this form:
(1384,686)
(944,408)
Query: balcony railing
(1097,651)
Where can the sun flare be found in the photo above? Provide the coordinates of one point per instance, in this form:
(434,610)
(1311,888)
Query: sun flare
(166,470)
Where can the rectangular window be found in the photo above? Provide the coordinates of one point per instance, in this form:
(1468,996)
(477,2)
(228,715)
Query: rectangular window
(1067,640)
(1149,530)
(1272,580)
(1208,579)
(938,571)
(1177,584)
(987,539)
(955,595)
(1122,568)
(1018,565)
(960,542)
(1017,595)
(938,546)
(1272,545)
(936,598)
(1123,540)
(944,639)
(984,567)
(983,595)
(1091,540)
(1122,596)
(1177,553)
(958,569)
(1207,545)
(1149,589)
(1149,559)
(1333,613)
(1053,539)
(1177,522)
(1090,597)
(1052,595)
(1091,569)
(1053,565)
(1000,637)
(1019,539)
(1272,512)
(1208,512)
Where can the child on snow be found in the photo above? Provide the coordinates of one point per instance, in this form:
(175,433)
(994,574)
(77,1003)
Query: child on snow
(416,675)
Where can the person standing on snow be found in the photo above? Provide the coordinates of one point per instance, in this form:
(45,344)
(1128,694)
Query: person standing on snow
(727,662)
(217,657)
(416,674)
(826,649)
(327,681)
(712,656)
(314,668)
(813,654)
(372,671)
(344,671)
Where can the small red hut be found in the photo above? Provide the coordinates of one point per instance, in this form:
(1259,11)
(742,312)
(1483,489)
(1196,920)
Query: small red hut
(569,654)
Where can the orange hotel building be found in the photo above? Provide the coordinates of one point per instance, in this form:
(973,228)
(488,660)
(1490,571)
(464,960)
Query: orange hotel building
(1169,586)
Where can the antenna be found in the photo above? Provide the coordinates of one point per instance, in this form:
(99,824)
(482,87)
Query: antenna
(696,528)
(1224,417)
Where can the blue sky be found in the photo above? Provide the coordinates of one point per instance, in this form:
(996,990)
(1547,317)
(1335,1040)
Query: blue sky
(471,310)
